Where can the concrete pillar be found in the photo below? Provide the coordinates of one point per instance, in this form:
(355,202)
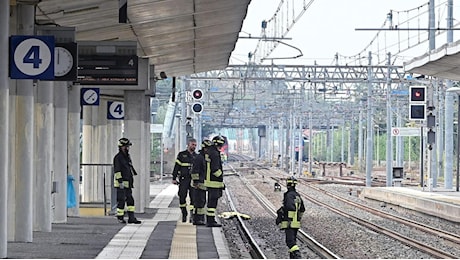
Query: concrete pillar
(137,112)
(25,142)
(114,132)
(11,216)
(44,140)
(146,154)
(89,112)
(100,138)
(73,142)
(12,163)
(101,152)
(4,108)
(60,151)
(145,74)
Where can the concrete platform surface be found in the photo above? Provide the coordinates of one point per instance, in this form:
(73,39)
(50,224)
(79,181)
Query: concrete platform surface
(440,203)
(161,235)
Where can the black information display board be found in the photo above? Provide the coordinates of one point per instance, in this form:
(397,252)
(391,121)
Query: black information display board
(99,69)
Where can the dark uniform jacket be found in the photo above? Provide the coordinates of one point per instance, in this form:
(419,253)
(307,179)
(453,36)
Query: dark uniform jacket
(183,165)
(293,209)
(214,172)
(199,168)
(123,167)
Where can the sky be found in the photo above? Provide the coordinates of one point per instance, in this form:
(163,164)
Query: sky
(329,26)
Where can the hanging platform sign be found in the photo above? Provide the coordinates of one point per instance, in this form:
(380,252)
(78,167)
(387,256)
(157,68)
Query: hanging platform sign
(115,110)
(107,63)
(31,57)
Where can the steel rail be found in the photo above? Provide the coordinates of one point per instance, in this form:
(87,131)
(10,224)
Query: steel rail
(311,243)
(256,252)
(404,239)
(423,227)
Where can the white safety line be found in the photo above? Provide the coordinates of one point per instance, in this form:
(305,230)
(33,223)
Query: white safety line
(130,241)
(219,241)
(165,197)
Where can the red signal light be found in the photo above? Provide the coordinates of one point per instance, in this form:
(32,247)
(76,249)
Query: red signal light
(417,94)
(197,94)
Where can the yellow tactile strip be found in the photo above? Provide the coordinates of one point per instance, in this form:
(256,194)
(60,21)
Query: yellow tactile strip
(183,244)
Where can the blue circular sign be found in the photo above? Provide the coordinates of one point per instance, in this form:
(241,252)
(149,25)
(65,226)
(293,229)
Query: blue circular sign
(32,57)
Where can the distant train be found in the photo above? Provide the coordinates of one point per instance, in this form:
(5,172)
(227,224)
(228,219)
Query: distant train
(224,149)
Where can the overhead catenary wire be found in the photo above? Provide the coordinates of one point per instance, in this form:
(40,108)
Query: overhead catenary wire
(412,21)
(278,26)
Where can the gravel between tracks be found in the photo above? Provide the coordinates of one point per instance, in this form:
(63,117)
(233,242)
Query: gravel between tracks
(267,234)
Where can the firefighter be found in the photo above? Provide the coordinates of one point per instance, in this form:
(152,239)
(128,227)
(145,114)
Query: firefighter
(182,170)
(198,176)
(214,180)
(123,181)
(289,216)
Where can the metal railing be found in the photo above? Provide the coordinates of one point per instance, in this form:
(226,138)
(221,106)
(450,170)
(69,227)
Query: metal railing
(105,183)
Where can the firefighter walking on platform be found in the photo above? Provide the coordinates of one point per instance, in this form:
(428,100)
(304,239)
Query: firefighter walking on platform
(182,170)
(123,181)
(198,176)
(214,180)
(289,216)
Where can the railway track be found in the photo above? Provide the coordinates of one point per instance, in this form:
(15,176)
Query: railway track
(429,249)
(254,250)
(435,252)
(421,226)
(438,253)
(317,248)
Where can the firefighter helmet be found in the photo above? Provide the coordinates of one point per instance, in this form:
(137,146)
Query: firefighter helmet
(206,143)
(291,181)
(218,140)
(124,142)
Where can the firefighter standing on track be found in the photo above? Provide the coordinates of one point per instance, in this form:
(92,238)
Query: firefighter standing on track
(289,215)
(123,181)
(198,176)
(182,169)
(214,180)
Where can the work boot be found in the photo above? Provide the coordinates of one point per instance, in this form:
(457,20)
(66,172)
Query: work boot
(202,220)
(295,255)
(184,214)
(191,216)
(211,222)
(121,220)
(198,220)
(132,219)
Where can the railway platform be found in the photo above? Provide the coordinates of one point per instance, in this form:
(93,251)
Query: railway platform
(439,202)
(161,235)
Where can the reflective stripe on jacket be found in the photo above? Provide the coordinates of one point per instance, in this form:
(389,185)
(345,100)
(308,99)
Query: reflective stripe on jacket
(214,174)
(293,210)
(183,164)
(198,168)
(122,170)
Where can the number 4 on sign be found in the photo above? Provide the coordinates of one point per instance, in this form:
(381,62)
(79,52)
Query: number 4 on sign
(33,56)
(115,110)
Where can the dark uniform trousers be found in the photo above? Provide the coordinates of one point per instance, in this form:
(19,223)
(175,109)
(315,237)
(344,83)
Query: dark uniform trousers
(182,170)
(184,188)
(199,201)
(291,237)
(125,195)
(213,196)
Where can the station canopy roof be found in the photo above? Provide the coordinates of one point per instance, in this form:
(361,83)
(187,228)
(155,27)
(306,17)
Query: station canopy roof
(443,62)
(180,37)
